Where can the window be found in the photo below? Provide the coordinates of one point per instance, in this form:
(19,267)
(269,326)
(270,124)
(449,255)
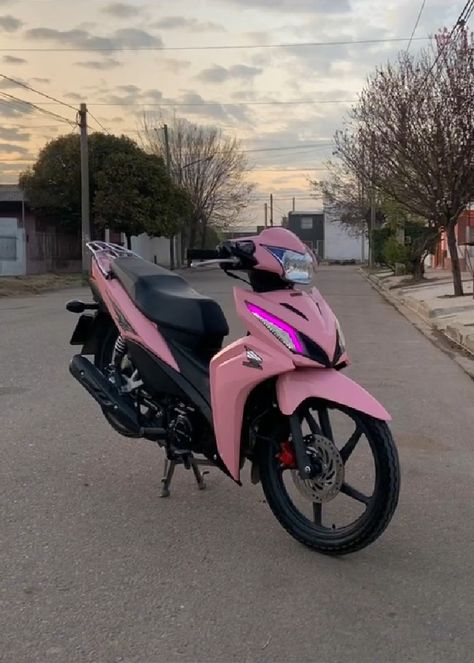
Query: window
(306,223)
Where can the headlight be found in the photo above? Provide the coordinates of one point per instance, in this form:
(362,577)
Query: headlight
(297,267)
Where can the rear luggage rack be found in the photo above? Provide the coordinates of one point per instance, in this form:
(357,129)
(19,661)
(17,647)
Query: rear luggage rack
(108,251)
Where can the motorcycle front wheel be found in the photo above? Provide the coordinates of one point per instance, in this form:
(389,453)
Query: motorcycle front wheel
(351,497)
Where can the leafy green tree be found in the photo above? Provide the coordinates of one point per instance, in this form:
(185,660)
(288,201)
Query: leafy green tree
(130,190)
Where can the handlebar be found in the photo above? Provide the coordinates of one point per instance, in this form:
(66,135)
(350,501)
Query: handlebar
(203,254)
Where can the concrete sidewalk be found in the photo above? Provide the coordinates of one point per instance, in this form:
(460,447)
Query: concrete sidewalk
(434,302)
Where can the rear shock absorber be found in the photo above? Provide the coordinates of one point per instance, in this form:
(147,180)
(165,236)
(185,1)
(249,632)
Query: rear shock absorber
(118,353)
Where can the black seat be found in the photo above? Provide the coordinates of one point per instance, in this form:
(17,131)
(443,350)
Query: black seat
(167,299)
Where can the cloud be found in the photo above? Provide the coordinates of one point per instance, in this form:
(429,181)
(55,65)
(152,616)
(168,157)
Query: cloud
(82,39)
(73,96)
(129,89)
(184,23)
(175,66)
(44,81)
(121,10)
(135,38)
(11,148)
(156,95)
(10,23)
(291,6)
(13,134)
(190,103)
(5,84)
(218,74)
(110,63)
(11,59)
(14,109)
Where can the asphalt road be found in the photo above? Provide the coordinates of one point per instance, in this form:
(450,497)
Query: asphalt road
(96,568)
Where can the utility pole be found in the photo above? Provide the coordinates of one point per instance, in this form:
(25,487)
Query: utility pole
(265,207)
(168,168)
(294,204)
(271,209)
(85,200)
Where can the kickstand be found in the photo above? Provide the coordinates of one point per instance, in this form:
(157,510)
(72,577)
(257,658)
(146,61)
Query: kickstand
(168,472)
(198,475)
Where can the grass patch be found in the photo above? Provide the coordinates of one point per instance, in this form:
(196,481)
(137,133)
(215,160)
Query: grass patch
(14,286)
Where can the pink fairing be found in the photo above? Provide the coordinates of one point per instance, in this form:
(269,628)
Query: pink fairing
(232,380)
(315,320)
(330,385)
(133,325)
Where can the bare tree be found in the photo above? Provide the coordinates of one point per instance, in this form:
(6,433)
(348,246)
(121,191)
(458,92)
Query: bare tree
(346,194)
(209,166)
(415,120)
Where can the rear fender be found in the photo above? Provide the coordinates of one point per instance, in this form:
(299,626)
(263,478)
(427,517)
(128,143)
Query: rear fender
(327,384)
(90,330)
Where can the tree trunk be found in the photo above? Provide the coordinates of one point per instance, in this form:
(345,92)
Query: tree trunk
(455,265)
(192,235)
(129,241)
(418,268)
(172,260)
(204,236)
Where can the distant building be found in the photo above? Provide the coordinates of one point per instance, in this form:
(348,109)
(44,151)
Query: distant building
(31,246)
(327,236)
(464,232)
(340,244)
(309,227)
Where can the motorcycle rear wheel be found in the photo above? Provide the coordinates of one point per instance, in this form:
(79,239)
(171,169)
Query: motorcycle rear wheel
(377,508)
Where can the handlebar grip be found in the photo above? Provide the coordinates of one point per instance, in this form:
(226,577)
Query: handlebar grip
(203,254)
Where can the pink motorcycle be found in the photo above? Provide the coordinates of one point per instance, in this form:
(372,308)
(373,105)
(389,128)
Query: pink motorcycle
(318,442)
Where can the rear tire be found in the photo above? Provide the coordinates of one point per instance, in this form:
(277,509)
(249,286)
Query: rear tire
(379,511)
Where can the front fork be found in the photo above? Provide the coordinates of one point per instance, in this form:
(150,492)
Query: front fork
(307,467)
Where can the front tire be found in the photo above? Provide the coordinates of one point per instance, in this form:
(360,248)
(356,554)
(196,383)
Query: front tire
(378,507)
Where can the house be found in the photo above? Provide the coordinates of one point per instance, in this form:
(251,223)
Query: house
(340,244)
(32,246)
(327,236)
(309,227)
(465,239)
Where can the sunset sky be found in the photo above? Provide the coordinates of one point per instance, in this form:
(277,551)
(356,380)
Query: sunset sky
(111,56)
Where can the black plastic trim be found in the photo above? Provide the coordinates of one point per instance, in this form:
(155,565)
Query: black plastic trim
(160,378)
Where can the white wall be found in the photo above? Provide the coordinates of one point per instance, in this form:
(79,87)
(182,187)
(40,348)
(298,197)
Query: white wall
(339,244)
(9,231)
(154,249)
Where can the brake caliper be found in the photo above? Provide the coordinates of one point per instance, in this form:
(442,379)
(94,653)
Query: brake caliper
(286,456)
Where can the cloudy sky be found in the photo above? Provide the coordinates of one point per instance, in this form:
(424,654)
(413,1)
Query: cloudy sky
(211,61)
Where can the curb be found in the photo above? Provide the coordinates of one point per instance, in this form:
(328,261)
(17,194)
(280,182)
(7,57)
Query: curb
(449,340)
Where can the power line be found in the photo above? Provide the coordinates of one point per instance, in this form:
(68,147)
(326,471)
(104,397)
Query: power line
(42,110)
(284,170)
(416,24)
(99,123)
(178,104)
(310,44)
(43,94)
(289,147)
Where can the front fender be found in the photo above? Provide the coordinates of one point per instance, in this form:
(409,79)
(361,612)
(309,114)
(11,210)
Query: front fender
(328,384)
